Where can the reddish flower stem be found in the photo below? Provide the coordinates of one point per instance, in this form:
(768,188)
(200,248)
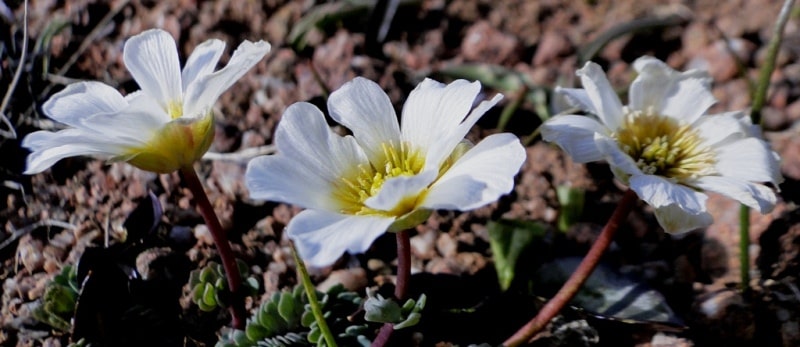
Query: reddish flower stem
(238,317)
(576,280)
(401,285)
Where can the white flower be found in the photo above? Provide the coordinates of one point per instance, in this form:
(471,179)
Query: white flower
(663,146)
(166,125)
(385,176)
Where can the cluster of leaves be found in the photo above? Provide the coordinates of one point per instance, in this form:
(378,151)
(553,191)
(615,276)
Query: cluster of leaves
(210,287)
(58,302)
(379,309)
(286,320)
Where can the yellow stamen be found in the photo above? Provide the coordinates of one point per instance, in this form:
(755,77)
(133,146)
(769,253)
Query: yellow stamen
(661,146)
(175,109)
(366,180)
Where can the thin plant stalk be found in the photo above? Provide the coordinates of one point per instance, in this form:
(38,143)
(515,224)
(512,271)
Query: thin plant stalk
(311,293)
(511,108)
(759,98)
(12,133)
(234,278)
(576,280)
(401,285)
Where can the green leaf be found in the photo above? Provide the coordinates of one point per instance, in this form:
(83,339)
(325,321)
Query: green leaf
(207,274)
(588,51)
(256,332)
(508,240)
(571,201)
(608,294)
(307,319)
(209,295)
(240,338)
(314,335)
(286,308)
(268,320)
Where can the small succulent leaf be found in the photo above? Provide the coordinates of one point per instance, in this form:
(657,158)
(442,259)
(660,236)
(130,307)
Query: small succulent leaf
(269,322)
(363,341)
(412,320)
(208,274)
(253,284)
(314,335)
(205,307)
(378,309)
(420,303)
(194,278)
(240,338)
(220,283)
(286,309)
(307,318)
(244,270)
(256,332)
(209,295)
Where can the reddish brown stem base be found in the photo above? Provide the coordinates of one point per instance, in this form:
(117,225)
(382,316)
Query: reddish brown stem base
(401,285)
(576,280)
(238,317)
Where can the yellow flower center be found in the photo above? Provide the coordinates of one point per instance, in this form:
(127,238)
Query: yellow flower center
(661,146)
(365,181)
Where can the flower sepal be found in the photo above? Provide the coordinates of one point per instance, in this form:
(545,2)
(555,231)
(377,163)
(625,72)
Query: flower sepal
(179,143)
(410,220)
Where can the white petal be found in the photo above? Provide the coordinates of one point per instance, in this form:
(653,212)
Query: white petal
(152,59)
(604,98)
(575,135)
(479,177)
(49,147)
(142,103)
(433,110)
(676,220)
(206,89)
(678,208)
(754,195)
(719,129)
(577,98)
(620,162)
(364,108)
(303,135)
(397,189)
(441,149)
(278,178)
(202,61)
(749,159)
(683,96)
(83,99)
(322,237)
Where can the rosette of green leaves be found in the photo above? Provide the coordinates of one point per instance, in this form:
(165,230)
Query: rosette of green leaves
(210,287)
(58,302)
(286,320)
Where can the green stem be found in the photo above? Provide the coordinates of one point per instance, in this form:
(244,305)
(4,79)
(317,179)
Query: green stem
(311,293)
(760,95)
(744,247)
(511,107)
(576,280)
(401,285)
(759,99)
(238,316)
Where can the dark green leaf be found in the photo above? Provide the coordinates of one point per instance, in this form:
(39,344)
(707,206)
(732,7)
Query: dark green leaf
(508,239)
